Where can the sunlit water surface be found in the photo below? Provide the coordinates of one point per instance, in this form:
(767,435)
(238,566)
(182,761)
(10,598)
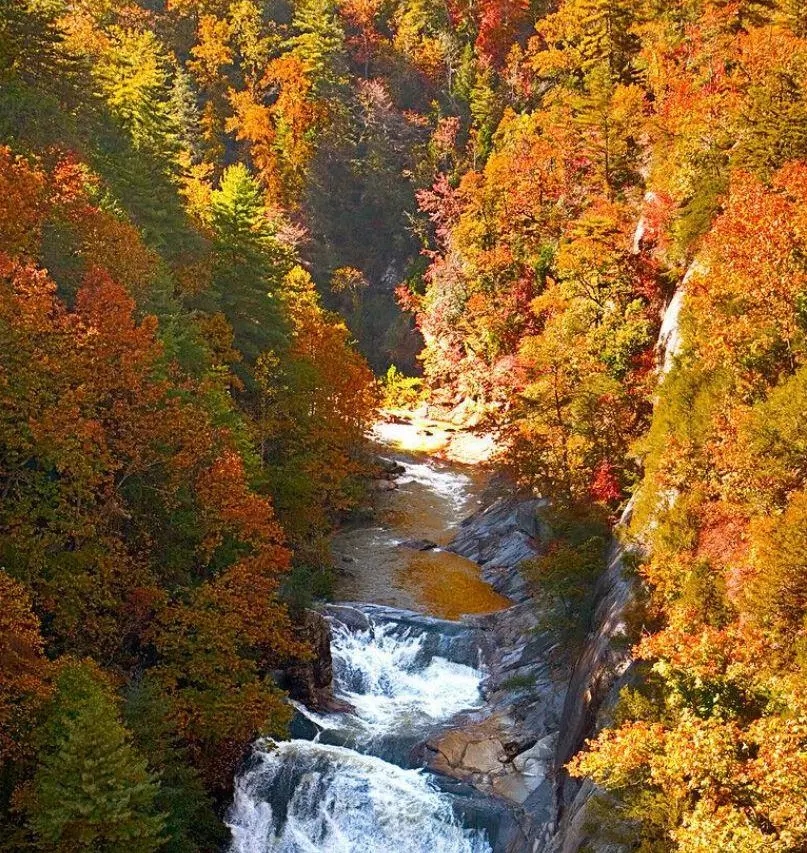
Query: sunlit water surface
(430,502)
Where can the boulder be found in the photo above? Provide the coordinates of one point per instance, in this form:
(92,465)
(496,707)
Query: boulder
(310,681)
(536,760)
(486,756)
(390,466)
(418,544)
(513,787)
(351,617)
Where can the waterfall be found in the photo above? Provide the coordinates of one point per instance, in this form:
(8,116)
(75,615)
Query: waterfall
(304,797)
(337,794)
(385,673)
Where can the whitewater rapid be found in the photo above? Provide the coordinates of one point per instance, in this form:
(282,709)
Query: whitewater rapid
(350,787)
(336,794)
(306,797)
(386,674)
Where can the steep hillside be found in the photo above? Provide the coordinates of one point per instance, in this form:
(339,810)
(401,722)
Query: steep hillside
(583,223)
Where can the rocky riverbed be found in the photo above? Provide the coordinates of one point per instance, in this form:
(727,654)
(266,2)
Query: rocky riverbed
(487,702)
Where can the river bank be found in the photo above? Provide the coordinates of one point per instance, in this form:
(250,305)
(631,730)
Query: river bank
(438,663)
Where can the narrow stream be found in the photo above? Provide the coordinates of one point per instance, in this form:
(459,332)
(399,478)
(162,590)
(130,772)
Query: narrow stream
(383,562)
(348,786)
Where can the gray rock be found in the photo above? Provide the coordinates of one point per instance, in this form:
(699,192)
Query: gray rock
(500,537)
(536,759)
(390,466)
(516,787)
(418,544)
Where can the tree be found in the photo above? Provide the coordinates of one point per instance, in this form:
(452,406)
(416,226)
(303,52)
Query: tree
(91,789)
(217,647)
(319,43)
(583,34)
(134,77)
(248,262)
(191,823)
(750,296)
(776,589)
(499,25)
(24,675)
(314,409)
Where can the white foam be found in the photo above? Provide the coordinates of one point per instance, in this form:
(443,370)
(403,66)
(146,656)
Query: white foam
(382,673)
(447,483)
(304,797)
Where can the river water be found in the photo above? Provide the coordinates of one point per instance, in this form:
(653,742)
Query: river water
(382,567)
(348,786)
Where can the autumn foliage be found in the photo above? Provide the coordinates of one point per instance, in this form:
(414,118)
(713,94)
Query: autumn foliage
(190,191)
(140,546)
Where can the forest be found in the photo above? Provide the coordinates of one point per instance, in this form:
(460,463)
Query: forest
(222,220)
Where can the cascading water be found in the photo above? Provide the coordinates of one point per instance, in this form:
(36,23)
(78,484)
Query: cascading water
(303,796)
(394,685)
(350,790)
(446,484)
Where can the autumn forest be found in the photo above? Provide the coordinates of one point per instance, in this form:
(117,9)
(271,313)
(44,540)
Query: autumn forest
(233,231)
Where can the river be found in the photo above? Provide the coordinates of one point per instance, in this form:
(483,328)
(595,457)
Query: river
(347,784)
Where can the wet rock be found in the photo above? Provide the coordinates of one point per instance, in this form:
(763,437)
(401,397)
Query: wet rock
(352,617)
(360,515)
(473,750)
(310,681)
(537,758)
(452,746)
(334,705)
(303,728)
(418,544)
(384,485)
(496,817)
(500,537)
(513,787)
(390,466)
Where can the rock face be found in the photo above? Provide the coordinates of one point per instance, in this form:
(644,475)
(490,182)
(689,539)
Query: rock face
(541,702)
(506,750)
(310,681)
(499,538)
(601,671)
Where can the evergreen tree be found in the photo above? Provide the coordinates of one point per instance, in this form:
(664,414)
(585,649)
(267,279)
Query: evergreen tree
(191,824)
(92,790)
(185,113)
(320,43)
(133,75)
(249,262)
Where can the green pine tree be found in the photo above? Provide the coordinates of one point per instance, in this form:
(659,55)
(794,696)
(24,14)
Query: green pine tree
(249,263)
(91,790)
(320,43)
(184,110)
(191,823)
